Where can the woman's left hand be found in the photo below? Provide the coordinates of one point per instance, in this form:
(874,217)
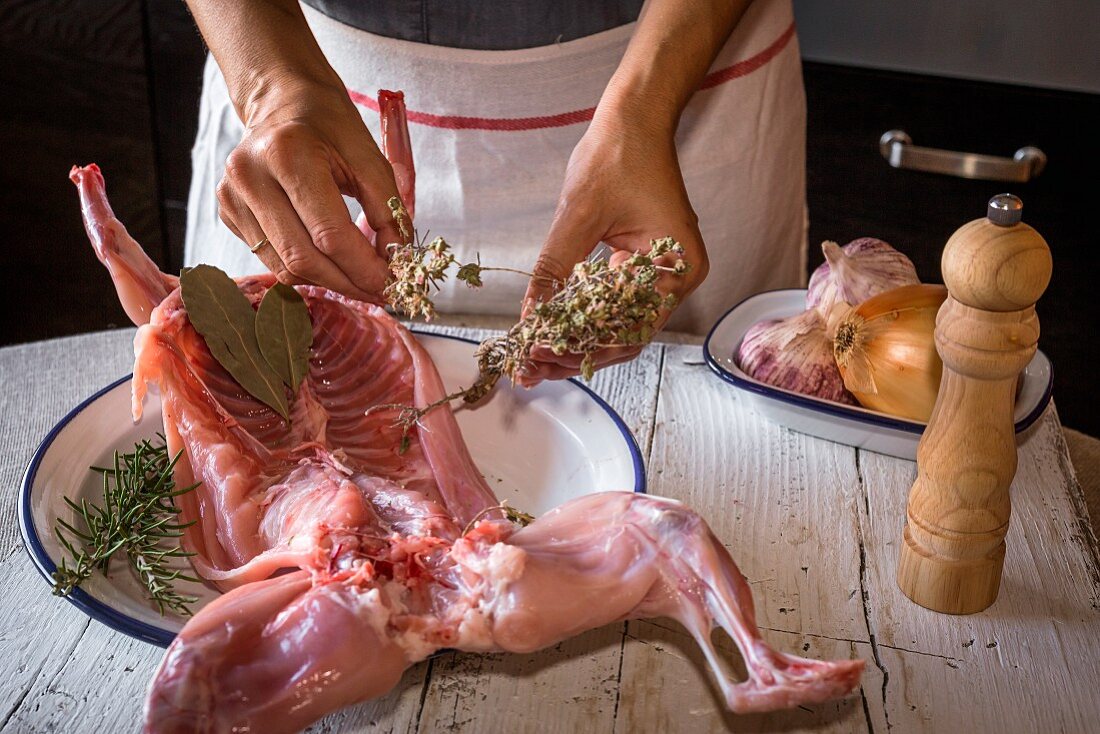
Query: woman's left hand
(623,187)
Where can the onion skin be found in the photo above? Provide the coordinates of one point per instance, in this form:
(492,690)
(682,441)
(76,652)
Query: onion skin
(851,274)
(885,350)
(794,354)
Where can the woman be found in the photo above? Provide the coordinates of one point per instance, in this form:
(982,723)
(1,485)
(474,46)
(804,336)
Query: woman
(615,109)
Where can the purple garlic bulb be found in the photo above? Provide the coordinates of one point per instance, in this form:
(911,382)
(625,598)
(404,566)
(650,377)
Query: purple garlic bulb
(855,272)
(794,354)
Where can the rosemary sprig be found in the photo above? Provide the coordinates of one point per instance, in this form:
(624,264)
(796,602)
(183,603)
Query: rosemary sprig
(137,518)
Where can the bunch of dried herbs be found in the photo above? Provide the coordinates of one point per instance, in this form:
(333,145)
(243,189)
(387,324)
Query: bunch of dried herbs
(597,306)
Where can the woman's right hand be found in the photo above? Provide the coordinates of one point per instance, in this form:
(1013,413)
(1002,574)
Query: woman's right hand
(305,145)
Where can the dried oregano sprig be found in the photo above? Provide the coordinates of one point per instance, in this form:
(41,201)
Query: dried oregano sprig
(598,306)
(417,269)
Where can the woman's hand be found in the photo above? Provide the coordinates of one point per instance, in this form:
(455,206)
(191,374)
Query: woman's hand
(305,145)
(623,184)
(623,187)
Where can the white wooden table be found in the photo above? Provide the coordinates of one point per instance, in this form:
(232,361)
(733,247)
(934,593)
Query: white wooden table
(814,525)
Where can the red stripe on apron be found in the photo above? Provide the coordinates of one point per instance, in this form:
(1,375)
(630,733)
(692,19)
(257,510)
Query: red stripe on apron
(505,124)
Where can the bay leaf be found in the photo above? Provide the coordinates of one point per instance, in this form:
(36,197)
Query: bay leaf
(225,319)
(285,333)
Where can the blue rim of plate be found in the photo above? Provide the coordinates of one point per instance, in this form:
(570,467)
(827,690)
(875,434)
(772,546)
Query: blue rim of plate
(159,636)
(836,410)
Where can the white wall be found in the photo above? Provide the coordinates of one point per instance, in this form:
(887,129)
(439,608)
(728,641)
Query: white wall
(1045,44)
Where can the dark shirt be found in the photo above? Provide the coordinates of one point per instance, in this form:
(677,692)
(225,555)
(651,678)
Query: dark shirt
(482,24)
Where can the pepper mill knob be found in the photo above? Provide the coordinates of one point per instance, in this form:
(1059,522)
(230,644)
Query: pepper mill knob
(995,269)
(1005,210)
(997,263)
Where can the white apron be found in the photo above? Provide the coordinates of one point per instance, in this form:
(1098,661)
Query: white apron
(492,131)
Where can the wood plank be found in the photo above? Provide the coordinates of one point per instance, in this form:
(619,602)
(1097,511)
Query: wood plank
(38,632)
(784,505)
(668,688)
(36,635)
(928,693)
(103,679)
(632,390)
(1036,651)
(573,686)
(567,688)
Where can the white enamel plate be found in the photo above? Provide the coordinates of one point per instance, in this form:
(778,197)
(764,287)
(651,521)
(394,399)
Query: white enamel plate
(537,448)
(869,429)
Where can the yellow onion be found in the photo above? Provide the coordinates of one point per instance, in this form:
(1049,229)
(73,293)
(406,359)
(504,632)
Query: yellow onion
(886,352)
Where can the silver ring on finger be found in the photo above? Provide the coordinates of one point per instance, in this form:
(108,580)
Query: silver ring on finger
(256,247)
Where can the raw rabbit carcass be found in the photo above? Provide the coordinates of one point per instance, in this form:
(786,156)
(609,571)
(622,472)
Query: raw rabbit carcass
(347,554)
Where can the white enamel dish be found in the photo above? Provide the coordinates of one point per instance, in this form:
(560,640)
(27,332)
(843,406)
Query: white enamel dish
(867,429)
(537,448)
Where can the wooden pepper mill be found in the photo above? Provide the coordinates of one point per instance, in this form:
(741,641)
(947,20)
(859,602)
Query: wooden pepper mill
(995,269)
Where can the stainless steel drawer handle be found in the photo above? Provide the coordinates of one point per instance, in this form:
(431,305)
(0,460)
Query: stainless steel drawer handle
(898,150)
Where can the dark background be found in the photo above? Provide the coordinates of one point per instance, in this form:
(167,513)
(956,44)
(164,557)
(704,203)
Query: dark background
(117,82)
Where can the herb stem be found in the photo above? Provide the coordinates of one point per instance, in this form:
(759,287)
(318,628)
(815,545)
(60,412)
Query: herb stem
(511,514)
